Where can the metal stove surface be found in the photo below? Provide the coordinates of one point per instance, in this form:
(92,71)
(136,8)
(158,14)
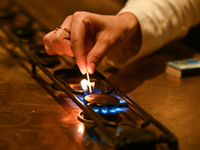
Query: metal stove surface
(32,119)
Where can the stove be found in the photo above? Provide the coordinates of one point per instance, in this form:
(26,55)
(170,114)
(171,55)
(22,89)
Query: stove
(108,118)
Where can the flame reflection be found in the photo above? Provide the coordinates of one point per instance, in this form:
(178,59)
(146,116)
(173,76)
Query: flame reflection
(81,128)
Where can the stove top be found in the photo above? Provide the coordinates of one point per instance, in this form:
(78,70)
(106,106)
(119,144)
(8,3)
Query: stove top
(105,119)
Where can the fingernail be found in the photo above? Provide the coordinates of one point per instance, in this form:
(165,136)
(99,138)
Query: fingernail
(83,71)
(91,68)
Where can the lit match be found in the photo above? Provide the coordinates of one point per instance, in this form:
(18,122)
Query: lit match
(88,78)
(85,86)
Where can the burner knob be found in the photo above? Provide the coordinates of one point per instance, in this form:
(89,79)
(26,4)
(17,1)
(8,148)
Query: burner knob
(6,14)
(23,32)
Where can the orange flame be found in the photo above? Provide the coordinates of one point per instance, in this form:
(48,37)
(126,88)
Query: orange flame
(85,85)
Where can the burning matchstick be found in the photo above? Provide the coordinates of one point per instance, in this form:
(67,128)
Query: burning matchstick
(88,78)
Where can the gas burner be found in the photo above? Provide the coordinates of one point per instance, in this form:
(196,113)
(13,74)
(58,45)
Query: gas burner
(47,60)
(73,77)
(143,139)
(103,104)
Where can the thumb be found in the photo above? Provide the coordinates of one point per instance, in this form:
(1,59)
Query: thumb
(95,56)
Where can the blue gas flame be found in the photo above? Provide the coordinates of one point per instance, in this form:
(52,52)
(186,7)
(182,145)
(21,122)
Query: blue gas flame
(104,110)
(107,109)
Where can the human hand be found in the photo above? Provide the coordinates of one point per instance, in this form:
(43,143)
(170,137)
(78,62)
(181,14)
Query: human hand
(89,37)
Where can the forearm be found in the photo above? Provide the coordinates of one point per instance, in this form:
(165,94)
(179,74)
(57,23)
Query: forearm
(160,22)
(133,34)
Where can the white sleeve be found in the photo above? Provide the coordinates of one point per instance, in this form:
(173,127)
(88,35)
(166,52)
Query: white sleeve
(161,21)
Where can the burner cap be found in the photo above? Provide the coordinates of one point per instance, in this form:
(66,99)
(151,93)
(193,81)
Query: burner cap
(101,99)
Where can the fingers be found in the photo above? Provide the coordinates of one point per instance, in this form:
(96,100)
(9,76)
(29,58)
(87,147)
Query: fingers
(78,38)
(58,41)
(79,54)
(89,38)
(95,56)
(70,42)
(47,44)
